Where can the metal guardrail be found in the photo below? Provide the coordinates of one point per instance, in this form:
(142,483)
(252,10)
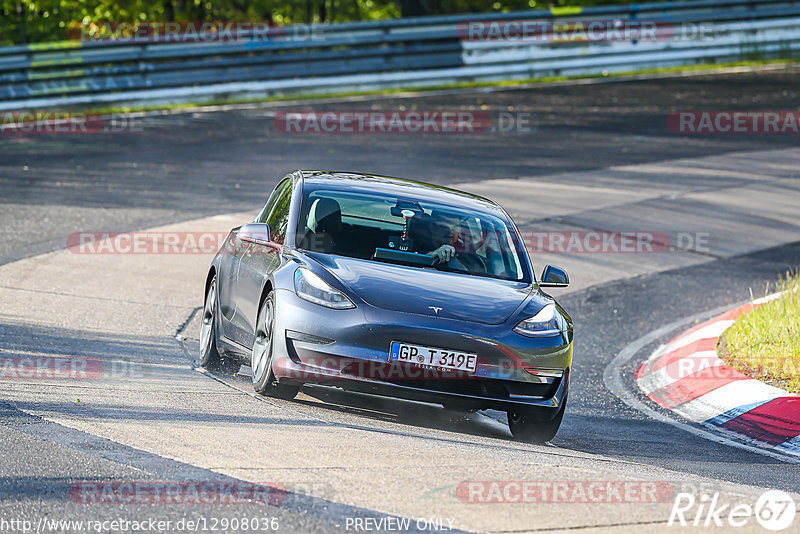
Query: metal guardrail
(399,53)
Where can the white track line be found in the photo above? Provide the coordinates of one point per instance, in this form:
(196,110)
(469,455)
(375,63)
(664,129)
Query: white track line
(678,369)
(714,330)
(717,403)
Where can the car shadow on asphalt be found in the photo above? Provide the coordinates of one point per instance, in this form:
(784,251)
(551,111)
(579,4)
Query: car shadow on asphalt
(352,406)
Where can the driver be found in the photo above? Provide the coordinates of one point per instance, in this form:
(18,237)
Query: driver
(435,235)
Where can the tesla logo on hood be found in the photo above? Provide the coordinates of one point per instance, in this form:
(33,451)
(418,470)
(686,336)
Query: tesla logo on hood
(435,309)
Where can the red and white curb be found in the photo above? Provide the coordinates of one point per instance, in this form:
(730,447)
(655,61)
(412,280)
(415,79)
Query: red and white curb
(687,377)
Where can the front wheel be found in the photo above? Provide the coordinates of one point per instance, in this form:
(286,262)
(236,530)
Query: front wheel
(528,425)
(264,381)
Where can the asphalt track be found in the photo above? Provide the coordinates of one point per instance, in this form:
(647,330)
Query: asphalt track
(599,157)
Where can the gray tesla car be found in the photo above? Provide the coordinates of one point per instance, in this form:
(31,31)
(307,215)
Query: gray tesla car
(391,287)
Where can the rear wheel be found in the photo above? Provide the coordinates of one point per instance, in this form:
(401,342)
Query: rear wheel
(529,425)
(264,381)
(210,357)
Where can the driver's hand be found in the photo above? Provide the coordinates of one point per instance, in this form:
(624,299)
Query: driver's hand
(443,253)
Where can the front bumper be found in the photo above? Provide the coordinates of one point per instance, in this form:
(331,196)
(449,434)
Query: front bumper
(350,348)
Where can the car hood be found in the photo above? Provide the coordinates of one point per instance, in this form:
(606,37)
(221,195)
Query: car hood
(416,290)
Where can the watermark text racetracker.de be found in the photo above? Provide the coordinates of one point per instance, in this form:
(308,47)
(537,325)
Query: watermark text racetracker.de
(550,241)
(594,30)
(403,121)
(148,242)
(29,367)
(218,31)
(176,493)
(595,242)
(68,122)
(734,122)
(564,491)
(613,241)
(15,367)
(706,365)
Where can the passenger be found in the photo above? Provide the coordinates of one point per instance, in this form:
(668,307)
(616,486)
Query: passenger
(324,226)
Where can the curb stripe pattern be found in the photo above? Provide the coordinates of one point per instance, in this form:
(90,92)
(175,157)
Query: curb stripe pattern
(686,376)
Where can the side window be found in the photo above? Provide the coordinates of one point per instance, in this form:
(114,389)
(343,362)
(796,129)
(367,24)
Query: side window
(276,212)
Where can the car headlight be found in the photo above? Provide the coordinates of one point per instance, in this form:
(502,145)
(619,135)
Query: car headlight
(312,288)
(547,322)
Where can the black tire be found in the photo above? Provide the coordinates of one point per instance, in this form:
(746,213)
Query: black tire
(264,381)
(532,427)
(210,356)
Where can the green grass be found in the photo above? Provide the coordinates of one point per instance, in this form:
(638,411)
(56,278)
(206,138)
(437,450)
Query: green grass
(463,85)
(765,343)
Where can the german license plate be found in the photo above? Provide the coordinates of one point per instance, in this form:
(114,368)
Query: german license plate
(434,357)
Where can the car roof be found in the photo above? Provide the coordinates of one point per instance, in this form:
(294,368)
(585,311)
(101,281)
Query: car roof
(400,187)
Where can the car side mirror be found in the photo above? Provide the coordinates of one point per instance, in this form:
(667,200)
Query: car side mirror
(553,276)
(257,233)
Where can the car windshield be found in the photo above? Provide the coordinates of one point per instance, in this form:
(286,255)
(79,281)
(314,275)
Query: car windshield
(381,227)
